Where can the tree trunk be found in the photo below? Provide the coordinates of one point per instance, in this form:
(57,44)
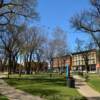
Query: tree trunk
(10,65)
(14,65)
(29,64)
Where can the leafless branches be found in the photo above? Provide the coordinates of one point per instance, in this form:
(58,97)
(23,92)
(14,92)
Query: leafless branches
(89,21)
(24,8)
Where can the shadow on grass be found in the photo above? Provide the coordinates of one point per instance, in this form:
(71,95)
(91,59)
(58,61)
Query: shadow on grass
(3,97)
(46,81)
(43,87)
(49,88)
(42,92)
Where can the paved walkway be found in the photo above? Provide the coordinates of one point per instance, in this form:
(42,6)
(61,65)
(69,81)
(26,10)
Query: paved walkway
(15,94)
(86,90)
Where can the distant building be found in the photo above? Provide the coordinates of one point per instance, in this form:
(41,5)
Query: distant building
(59,63)
(78,61)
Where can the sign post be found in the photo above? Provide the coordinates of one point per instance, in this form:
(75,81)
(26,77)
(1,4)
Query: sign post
(67,72)
(69,80)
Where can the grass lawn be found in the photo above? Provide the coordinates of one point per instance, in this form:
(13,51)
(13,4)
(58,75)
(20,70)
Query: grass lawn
(3,97)
(94,81)
(42,85)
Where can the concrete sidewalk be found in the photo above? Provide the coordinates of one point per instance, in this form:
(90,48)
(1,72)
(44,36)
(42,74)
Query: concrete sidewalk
(15,94)
(86,90)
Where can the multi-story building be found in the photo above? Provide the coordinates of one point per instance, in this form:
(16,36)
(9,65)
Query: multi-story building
(98,61)
(59,63)
(81,59)
(78,61)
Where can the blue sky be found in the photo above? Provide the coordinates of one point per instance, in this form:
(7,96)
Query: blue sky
(58,13)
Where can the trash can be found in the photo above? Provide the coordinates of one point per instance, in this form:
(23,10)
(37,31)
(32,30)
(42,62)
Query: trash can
(71,82)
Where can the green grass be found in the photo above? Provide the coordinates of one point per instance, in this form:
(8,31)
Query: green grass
(3,97)
(49,88)
(40,75)
(94,81)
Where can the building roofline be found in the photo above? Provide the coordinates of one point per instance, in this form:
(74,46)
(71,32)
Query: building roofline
(61,56)
(68,55)
(83,51)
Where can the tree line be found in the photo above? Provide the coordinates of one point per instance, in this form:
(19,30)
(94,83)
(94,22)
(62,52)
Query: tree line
(18,40)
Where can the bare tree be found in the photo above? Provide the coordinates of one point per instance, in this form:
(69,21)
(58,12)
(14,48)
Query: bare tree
(49,51)
(83,47)
(89,21)
(18,8)
(10,42)
(57,45)
(33,40)
(60,40)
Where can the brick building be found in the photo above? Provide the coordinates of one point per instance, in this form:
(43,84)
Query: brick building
(59,63)
(78,61)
